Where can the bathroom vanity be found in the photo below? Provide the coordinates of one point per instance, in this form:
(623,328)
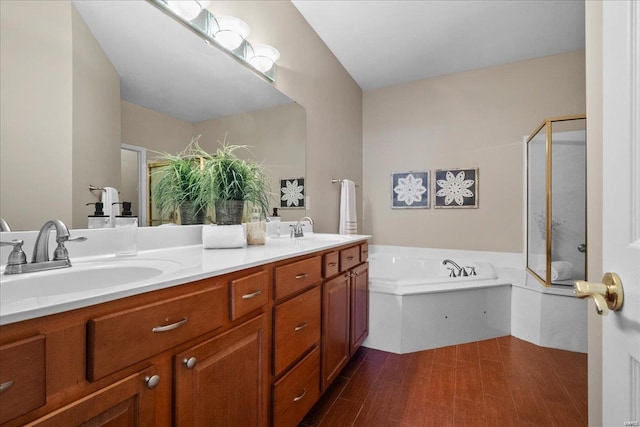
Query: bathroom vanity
(245,338)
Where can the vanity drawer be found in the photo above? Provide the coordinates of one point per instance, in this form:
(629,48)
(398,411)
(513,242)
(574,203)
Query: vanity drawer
(248,294)
(364,252)
(296,328)
(298,275)
(22,377)
(296,392)
(121,339)
(349,258)
(330,266)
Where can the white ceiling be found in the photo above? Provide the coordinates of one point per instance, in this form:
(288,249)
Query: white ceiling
(166,67)
(387,42)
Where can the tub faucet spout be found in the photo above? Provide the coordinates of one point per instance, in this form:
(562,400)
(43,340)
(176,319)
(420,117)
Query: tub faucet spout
(461,271)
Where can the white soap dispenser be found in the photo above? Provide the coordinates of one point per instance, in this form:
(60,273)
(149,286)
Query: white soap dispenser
(126,231)
(98,219)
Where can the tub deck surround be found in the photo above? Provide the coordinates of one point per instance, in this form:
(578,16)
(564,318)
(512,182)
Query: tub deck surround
(178,246)
(415,306)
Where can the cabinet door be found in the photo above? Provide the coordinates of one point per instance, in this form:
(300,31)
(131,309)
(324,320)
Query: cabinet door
(223,382)
(130,402)
(359,305)
(335,327)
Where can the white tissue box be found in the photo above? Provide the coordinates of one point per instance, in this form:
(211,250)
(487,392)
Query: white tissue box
(223,236)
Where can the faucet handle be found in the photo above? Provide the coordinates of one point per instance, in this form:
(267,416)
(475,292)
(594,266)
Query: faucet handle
(61,253)
(17,255)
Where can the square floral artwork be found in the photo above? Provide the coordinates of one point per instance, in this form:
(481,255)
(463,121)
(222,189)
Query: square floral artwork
(456,188)
(292,193)
(410,190)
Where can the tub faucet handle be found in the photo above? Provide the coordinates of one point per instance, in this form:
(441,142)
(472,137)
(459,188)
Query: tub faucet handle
(471,272)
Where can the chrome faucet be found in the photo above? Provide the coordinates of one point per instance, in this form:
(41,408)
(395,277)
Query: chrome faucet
(461,271)
(4,226)
(17,262)
(296,230)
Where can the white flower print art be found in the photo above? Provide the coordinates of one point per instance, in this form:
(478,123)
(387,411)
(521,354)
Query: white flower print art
(410,190)
(292,193)
(456,188)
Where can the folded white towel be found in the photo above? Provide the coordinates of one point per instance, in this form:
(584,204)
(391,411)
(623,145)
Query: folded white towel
(223,236)
(109,197)
(560,270)
(348,215)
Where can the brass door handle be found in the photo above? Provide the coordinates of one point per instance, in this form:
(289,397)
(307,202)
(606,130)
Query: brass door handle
(607,295)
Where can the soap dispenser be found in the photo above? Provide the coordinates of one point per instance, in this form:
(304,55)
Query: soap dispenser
(126,231)
(98,219)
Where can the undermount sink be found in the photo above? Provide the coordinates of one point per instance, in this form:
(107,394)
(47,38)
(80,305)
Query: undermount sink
(82,277)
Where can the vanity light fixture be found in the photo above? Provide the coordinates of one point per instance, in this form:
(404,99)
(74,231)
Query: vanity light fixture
(225,32)
(229,31)
(187,9)
(262,56)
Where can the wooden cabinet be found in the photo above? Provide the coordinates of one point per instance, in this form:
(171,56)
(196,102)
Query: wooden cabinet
(296,328)
(120,339)
(296,392)
(223,381)
(129,402)
(249,348)
(336,347)
(359,305)
(22,377)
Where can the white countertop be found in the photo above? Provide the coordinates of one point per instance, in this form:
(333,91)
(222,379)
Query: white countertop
(180,265)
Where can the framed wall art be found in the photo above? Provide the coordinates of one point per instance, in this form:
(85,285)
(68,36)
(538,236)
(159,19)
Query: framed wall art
(455,188)
(292,193)
(410,190)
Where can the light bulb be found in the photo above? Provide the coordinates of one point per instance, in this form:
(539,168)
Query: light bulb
(187,9)
(231,31)
(264,56)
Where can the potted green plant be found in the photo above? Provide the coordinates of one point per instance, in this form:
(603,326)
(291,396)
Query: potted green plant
(182,185)
(234,182)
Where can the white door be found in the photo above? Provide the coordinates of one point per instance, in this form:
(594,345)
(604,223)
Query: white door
(621,210)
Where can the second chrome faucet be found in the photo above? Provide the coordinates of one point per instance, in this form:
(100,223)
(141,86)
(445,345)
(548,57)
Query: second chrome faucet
(17,262)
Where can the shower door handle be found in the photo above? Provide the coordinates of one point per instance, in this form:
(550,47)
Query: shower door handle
(582,248)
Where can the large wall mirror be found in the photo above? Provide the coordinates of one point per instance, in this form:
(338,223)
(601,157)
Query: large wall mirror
(90,90)
(556,201)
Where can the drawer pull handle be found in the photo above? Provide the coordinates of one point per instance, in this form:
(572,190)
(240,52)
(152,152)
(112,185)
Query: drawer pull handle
(152,381)
(5,386)
(301,327)
(333,264)
(302,276)
(350,258)
(298,398)
(251,295)
(190,363)
(170,327)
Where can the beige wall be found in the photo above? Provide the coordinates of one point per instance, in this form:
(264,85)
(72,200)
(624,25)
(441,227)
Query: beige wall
(311,75)
(153,130)
(276,137)
(35,112)
(593,31)
(96,121)
(470,119)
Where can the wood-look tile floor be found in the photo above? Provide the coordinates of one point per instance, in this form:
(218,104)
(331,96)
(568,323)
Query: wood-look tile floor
(499,382)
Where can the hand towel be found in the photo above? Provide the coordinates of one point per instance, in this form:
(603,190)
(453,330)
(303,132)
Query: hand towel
(223,236)
(560,270)
(348,218)
(109,197)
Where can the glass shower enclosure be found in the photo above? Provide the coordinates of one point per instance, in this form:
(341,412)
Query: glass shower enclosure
(556,201)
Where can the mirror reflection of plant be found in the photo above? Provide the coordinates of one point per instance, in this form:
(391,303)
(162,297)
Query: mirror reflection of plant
(182,180)
(233,178)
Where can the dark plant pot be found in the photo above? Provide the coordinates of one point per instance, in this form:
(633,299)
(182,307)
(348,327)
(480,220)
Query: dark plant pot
(229,212)
(188,215)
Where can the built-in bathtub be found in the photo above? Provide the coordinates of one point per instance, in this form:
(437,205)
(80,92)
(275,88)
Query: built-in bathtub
(415,305)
